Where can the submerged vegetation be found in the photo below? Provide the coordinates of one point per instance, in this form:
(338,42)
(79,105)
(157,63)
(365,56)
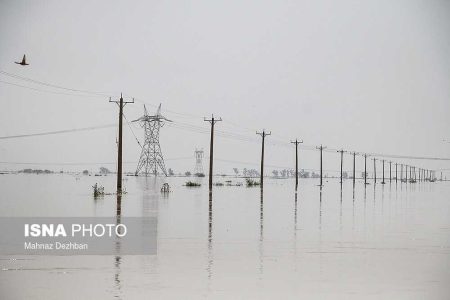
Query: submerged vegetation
(251,182)
(165,188)
(192,184)
(98,190)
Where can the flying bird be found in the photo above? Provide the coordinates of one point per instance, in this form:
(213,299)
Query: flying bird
(23,62)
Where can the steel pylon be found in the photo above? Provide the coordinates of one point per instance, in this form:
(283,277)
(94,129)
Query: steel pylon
(151,158)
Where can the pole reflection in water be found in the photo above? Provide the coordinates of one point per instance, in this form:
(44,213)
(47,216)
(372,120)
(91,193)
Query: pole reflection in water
(261,235)
(353,209)
(340,211)
(365,202)
(295,232)
(210,239)
(320,236)
(353,194)
(295,213)
(118,258)
(374,196)
(320,210)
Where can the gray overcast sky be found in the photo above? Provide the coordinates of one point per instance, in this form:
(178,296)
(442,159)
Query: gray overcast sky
(364,75)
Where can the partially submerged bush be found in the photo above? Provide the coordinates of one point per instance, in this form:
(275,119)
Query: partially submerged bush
(190,183)
(165,188)
(251,182)
(98,190)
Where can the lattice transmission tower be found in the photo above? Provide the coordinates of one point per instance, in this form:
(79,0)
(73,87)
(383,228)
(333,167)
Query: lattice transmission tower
(151,156)
(198,161)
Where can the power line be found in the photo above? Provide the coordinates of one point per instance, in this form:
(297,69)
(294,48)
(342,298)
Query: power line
(79,163)
(57,132)
(46,91)
(179,125)
(53,85)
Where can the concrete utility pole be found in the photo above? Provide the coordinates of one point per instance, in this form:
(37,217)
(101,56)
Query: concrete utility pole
(406,173)
(212,121)
(396,172)
(365,169)
(354,169)
(263,135)
(342,161)
(375,170)
(296,161)
(321,150)
(121,104)
(390,171)
(383,174)
(410,173)
(401,173)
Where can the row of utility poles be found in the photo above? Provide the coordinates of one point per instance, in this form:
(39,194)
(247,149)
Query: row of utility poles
(423,174)
(420,175)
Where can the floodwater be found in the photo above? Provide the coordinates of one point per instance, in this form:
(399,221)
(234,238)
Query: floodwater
(387,241)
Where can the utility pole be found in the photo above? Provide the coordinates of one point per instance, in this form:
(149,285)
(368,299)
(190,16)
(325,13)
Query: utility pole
(342,161)
(410,173)
(365,169)
(401,173)
(263,135)
(354,169)
(375,170)
(396,172)
(321,149)
(383,174)
(406,173)
(296,161)
(212,121)
(121,104)
(390,171)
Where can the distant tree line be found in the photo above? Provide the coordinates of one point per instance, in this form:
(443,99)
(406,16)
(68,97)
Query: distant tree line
(35,171)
